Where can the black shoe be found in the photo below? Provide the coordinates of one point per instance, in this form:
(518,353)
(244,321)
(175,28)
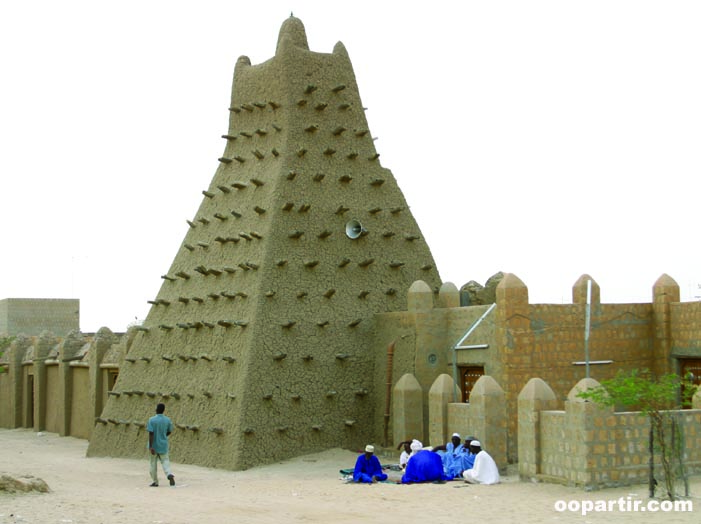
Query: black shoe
(171,479)
(153,485)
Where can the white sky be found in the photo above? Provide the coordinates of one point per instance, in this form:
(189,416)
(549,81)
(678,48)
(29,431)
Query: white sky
(543,138)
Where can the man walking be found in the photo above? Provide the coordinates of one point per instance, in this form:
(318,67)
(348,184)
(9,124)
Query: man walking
(159,428)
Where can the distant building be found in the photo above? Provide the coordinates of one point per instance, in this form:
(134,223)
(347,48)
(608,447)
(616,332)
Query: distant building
(31,316)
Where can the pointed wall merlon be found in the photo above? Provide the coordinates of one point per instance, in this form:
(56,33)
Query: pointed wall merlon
(420,296)
(536,396)
(583,385)
(407,409)
(512,292)
(579,291)
(17,352)
(448,296)
(41,352)
(665,290)
(484,418)
(512,305)
(443,390)
(582,418)
(488,418)
(70,350)
(104,340)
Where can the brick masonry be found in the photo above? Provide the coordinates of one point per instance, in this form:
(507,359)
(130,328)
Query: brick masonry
(31,316)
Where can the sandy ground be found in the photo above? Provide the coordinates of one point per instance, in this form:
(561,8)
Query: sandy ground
(305,489)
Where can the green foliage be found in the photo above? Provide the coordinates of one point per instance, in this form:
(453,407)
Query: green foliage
(654,397)
(640,390)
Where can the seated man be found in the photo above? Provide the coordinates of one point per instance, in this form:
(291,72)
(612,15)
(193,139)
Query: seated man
(406,452)
(484,470)
(423,466)
(368,468)
(468,458)
(451,455)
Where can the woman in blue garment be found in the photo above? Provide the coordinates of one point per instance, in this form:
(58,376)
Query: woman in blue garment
(368,468)
(423,466)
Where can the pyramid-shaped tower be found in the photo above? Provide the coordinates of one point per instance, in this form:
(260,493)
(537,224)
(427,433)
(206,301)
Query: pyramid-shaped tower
(258,340)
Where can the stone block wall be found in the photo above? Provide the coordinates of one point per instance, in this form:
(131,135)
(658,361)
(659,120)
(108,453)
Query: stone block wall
(31,316)
(685,330)
(590,446)
(535,398)
(547,341)
(484,417)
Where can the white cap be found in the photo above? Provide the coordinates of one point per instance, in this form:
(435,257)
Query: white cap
(416,445)
(369,448)
(476,443)
(456,435)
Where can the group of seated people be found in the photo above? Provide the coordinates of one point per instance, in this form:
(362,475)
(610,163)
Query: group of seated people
(446,462)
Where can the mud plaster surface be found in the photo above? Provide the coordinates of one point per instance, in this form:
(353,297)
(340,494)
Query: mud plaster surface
(262,327)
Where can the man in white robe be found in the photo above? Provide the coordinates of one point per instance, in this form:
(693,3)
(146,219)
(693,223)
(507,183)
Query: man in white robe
(484,470)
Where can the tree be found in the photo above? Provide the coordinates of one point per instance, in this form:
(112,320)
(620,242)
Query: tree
(654,397)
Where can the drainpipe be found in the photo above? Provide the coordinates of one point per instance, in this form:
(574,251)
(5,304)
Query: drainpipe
(587,326)
(388,396)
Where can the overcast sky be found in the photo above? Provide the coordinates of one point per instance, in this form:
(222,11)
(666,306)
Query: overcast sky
(543,138)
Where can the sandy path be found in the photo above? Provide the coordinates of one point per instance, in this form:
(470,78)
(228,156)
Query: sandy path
(306,489)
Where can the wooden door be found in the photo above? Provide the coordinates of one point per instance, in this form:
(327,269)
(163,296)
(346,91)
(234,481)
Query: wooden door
(468,376)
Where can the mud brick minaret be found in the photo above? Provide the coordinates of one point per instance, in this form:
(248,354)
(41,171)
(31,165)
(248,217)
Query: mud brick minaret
(259,339)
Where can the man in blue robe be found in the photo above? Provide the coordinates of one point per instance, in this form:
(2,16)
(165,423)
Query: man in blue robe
(468,458)
(424,466)
(452,456)
(368,468)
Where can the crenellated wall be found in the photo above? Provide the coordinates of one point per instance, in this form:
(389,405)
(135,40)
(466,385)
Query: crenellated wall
(592,446)
(57,384)
(525,340)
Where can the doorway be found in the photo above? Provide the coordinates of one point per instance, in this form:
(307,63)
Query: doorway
(29,419)
(468,376)
(112,375)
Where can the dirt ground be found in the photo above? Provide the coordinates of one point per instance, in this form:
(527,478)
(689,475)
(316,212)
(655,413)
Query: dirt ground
(305,489)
